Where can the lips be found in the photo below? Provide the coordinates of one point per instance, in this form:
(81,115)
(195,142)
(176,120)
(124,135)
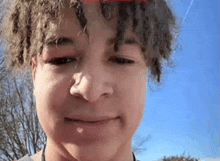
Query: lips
(89,119)
(74,120)
(92,127)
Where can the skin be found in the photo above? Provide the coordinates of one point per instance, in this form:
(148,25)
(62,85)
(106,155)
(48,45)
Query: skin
(94,82)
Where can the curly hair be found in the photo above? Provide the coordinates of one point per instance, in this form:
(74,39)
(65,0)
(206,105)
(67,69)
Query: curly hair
(152,20)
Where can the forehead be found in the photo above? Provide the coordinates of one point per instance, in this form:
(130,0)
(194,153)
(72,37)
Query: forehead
(92,13)
(69,22)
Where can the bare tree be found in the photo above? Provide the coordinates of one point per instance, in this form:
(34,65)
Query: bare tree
(138,146)
(20,131)
(179,158)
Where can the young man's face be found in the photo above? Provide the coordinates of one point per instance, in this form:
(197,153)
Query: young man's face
(90,99)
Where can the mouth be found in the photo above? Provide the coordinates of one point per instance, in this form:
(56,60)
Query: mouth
(92,127)
(89,121)
(82,121)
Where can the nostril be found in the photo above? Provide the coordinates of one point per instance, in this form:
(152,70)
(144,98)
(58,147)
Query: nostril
(78,96)
(105,94)
(91,89)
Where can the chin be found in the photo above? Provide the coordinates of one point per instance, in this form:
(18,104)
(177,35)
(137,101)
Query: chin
(94,152)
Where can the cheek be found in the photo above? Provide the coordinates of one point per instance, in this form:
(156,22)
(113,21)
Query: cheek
(134,87)
(134,96)
(50,92)
(50,95)
(138,98)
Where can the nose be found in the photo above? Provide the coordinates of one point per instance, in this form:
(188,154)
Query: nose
(92,83)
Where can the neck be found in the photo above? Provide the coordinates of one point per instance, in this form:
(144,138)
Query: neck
(60,153)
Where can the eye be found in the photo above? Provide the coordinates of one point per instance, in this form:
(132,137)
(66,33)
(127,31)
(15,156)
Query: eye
(61,61)
(122,61)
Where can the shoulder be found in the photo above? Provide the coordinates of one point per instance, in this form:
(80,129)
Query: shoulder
(35,157)
(25,158)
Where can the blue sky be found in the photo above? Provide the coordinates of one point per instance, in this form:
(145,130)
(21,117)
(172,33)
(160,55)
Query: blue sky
(182,114)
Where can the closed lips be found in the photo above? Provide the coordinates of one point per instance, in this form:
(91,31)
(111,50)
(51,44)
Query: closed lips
(89,120)
(69,119)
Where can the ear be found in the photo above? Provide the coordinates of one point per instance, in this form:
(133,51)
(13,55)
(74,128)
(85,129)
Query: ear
(34,66)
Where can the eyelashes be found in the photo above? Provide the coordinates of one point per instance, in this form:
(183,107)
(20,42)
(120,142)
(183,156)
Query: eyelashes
(61,61)
(122,61)
(67,60)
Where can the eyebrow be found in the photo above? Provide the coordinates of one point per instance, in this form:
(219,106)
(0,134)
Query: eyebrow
(128,40)
(59,41)
(70,41)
